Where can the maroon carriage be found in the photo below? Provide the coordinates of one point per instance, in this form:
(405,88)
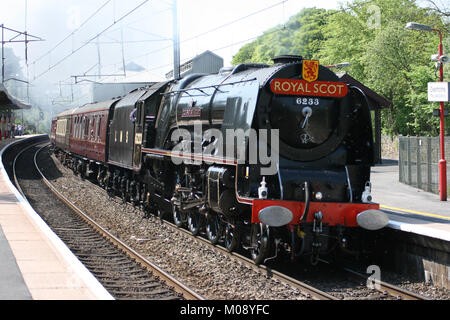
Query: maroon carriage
(89,130)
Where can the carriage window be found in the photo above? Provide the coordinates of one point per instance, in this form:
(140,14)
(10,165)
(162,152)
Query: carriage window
(94,129)
(78,127)
(83,125)
(77,124)
(98,127)
(86,128)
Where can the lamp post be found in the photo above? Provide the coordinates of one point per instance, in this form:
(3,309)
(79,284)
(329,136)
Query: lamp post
(339,65)
(442,162)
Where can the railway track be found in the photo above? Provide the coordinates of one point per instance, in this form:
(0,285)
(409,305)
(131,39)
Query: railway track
(308,291)
(121,270)
(304,289)
(386,288)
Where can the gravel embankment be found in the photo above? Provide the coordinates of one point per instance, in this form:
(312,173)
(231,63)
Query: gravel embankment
(210,273)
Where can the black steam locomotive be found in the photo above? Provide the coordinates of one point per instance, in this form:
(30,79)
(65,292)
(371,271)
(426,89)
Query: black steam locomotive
(267,158)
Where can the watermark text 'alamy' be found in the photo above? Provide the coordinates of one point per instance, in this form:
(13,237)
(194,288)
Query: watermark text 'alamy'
(211,146)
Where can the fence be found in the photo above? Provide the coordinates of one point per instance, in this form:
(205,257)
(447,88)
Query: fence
(419,162)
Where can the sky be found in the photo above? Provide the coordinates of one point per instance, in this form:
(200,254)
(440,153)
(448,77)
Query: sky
(219,26)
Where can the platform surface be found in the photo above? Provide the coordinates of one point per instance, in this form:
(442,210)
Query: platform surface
(12,285)
(409,209)
(34,263)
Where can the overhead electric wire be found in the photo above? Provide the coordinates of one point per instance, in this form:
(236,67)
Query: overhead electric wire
(221,48)
(73,32)
(93,38)
(207,32)
(234,21)
(185,40)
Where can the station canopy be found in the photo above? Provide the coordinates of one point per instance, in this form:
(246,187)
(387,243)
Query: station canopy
(376,103)
(8,102)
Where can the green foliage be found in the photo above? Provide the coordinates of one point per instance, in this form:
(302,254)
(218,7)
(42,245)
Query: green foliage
(386,57)
(301,35)
(12,64)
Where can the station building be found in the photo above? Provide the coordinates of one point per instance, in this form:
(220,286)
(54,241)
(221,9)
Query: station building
(8,103)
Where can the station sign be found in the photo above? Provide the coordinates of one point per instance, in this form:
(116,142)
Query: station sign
(305,88)
(438,91)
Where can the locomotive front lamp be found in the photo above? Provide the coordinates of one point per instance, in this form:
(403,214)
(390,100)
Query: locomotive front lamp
(441,60)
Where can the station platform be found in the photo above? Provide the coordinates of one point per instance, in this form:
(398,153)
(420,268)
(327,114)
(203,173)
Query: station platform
(34,263)
(409,209)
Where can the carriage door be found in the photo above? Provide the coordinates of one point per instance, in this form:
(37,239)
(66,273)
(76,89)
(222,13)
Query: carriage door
(138,128)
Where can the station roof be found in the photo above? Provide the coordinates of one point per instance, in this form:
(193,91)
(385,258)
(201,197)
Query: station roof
(7,101)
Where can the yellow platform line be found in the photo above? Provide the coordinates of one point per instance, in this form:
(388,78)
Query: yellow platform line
(416,212)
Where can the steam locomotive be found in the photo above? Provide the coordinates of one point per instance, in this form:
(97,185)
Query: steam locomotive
(270,159)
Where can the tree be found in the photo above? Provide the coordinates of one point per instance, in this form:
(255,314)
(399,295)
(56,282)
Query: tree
(391,68)
(386,57)
(439,7)
(301,35)
(12,65)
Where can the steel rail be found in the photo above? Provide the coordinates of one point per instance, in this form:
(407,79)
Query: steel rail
(400,293)
(179,287)
(309,291)
(16,180)
(382,286)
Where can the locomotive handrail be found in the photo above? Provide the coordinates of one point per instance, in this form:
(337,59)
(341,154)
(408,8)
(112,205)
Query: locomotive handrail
(307,201)
(207,87)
